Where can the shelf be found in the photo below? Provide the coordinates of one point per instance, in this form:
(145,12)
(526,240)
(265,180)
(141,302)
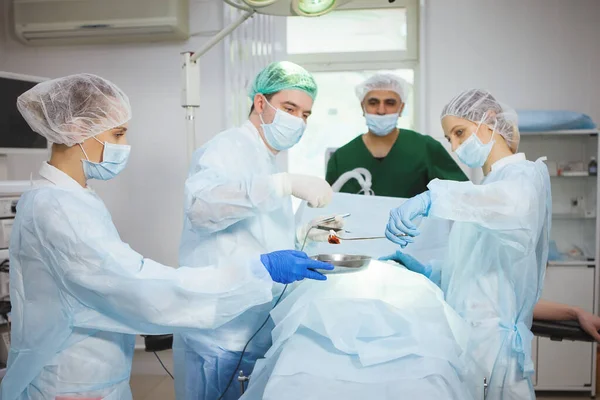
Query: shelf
(562,133)
(571,216)
(572,263)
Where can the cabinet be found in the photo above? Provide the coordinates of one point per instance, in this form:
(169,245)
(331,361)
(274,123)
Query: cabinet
(566,365)
(572,272)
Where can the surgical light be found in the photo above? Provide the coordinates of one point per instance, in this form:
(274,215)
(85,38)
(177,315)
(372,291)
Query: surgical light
(302,8)
(313,8)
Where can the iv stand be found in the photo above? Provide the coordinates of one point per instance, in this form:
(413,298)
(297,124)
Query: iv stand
(190,75)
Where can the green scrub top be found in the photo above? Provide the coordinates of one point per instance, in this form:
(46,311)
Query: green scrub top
(413,161)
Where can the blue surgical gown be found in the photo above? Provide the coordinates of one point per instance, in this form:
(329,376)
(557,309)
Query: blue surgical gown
(232,210)
(494,272)
(80,294)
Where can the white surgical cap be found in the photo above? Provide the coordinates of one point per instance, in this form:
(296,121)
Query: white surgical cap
(72,109)
(478,105)
(381,82)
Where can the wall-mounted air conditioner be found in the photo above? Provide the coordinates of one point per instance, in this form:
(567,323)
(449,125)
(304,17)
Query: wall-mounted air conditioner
(51,22)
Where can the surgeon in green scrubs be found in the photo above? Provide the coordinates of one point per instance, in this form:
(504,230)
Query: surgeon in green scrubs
(401,161)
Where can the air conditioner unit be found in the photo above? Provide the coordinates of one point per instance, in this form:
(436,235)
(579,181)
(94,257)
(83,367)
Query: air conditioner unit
(51,22)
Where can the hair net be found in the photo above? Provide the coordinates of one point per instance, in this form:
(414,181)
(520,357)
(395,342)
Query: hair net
(283,75)
(381,82)
(72,109)
(478,105)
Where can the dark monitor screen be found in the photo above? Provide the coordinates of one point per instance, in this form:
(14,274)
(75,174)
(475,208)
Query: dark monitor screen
(14,131)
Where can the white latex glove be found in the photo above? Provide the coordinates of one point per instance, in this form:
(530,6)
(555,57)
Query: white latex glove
(318,235)
(316,191)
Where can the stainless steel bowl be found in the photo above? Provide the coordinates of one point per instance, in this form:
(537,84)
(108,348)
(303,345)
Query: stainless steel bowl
(343,263)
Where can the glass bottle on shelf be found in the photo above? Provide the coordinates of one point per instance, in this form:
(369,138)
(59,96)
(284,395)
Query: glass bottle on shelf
(593,167)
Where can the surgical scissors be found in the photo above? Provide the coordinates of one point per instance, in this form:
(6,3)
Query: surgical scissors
(330,219)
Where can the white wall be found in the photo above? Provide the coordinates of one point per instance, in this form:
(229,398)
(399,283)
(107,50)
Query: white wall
(146,201)
(528,53)
(2,55)
(2,36)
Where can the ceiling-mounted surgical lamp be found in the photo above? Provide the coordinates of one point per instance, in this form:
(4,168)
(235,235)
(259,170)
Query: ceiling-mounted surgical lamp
(190,91)
(313,8)
(303,8)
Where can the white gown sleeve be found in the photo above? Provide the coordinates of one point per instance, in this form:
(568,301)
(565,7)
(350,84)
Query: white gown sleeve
(219,193)
(508,208)
(121,291)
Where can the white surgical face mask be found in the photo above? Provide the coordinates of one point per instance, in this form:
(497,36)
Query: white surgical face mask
(285,131)
(382,125)
(114,160)
(473,152)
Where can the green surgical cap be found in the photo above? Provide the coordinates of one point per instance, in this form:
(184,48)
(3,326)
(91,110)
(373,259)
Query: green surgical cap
(283,75)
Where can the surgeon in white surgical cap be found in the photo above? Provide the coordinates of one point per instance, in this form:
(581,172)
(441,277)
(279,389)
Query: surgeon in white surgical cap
(239,205)
(79,293)
(498,247)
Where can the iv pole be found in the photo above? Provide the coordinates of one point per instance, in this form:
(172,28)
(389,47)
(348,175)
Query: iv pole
(190,75)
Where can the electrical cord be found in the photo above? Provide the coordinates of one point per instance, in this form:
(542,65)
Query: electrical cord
(246,346)
(235,370)
(163,365)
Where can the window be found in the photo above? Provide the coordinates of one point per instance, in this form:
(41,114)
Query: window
(348,31)
(337,118)
(388,33)
(342,49)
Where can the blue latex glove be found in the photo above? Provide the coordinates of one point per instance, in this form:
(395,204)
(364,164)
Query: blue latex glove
(410,263)
(400,222)
(287,266)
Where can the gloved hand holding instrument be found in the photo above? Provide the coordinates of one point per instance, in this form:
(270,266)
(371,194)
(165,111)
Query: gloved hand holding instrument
(400,228)
(318,229)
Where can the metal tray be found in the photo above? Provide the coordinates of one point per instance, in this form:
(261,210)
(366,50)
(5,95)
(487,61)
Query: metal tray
(343,263)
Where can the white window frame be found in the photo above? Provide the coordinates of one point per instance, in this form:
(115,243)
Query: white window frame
(376,60)
(412,40)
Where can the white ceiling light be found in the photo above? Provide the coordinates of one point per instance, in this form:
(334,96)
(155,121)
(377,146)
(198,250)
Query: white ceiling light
(313,8)
(305,8)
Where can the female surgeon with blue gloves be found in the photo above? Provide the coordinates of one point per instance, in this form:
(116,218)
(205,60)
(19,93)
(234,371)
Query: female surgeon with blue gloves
(80,294)
(498,247)
(237,206)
